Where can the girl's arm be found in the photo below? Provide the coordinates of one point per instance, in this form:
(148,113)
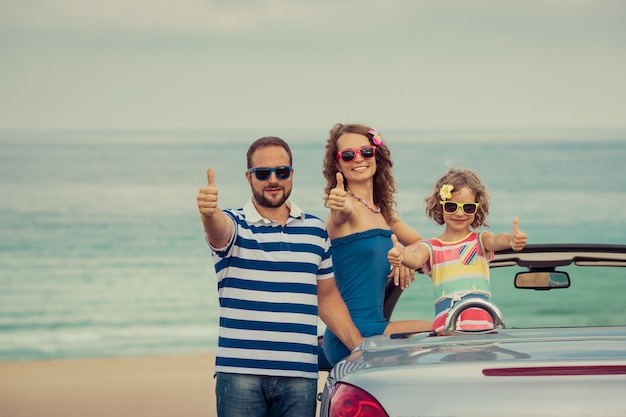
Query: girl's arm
(405,234)
(412,256)
(515,240)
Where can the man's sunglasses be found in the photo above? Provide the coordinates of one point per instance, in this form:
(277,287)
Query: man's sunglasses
(453,206)
(349,154)
(263,173)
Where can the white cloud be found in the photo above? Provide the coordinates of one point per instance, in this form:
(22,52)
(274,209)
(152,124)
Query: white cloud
(187,16)
(193,63)
(245,16)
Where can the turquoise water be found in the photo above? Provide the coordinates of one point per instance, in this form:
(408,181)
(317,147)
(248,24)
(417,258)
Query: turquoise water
(102,252)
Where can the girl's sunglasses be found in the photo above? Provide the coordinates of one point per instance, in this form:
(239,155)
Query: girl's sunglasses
(349,154)
(453,206)
(263,173)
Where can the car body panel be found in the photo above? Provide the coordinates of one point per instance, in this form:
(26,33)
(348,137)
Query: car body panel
(546,371)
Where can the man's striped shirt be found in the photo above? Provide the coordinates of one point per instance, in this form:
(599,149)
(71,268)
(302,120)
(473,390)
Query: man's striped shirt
(267,284)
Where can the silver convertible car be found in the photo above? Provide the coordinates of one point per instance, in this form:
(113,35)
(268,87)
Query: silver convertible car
(558,347)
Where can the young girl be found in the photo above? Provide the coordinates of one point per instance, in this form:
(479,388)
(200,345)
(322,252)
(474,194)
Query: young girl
(458,260)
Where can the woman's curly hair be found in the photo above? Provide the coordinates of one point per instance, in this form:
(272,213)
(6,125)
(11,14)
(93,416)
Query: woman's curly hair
(384,182)
(459,178)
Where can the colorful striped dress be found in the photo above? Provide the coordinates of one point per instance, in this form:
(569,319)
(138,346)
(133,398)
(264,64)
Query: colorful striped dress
(458,270)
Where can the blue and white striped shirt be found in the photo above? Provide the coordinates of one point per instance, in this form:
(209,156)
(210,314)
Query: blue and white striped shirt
(267,284)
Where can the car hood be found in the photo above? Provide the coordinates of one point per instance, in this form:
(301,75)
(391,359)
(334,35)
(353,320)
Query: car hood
(497,346)
(503,372)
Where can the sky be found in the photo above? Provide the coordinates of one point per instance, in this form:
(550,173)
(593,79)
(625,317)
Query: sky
(404,64)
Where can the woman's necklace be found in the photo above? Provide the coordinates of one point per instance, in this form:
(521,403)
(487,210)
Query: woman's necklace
(370,208)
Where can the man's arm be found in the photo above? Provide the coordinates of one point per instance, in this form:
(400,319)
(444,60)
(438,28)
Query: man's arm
(217,226)
(334,313)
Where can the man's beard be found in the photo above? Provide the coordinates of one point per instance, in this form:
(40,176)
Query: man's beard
(263,201)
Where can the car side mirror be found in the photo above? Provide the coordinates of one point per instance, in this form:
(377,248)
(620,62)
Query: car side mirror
(545,280)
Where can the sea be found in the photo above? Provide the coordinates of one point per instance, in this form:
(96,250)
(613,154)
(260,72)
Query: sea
(102,253)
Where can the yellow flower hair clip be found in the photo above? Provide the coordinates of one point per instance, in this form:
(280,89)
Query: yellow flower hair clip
(445,192)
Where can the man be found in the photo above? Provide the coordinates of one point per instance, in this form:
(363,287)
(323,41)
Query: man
(273,268)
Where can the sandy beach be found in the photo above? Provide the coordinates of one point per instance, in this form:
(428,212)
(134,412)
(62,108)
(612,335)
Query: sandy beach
(142,386)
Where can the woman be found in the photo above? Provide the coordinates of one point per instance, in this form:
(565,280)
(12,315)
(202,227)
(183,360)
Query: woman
(360,191)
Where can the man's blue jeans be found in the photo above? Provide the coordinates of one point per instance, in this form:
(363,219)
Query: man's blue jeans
(240,395)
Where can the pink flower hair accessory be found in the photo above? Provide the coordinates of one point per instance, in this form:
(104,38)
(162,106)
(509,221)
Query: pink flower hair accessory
(376,139)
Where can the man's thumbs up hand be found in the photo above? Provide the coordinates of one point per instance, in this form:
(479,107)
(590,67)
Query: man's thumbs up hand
(207,196)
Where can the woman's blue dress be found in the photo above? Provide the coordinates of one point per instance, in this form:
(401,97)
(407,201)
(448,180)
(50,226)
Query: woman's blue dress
(361,270)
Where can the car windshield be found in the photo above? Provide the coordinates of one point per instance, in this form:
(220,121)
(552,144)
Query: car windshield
(594,298)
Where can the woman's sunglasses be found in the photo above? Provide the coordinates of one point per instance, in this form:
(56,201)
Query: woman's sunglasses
(349,154)
(453,206)
(263,173)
